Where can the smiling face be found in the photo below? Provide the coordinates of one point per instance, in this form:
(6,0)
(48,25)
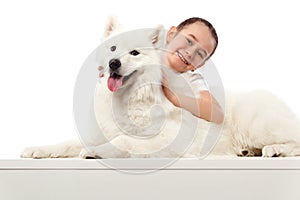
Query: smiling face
(189,48)
(126,55)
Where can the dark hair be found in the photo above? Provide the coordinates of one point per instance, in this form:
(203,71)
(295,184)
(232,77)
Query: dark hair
(212,30)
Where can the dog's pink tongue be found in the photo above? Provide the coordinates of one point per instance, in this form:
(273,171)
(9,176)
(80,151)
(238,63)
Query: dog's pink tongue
(114,83)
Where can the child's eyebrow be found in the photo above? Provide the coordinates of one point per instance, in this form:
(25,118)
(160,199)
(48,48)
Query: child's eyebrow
(191,35)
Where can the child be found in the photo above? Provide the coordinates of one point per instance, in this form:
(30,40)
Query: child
(189,46)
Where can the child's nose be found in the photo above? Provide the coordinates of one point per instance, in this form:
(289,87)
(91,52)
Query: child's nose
(191,50)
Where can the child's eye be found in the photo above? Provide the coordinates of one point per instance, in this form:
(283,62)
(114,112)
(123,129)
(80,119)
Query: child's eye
(199,53)
(134,53)
(189,41)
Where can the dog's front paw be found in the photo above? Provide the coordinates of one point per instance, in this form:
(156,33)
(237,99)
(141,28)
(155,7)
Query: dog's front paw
(36,152)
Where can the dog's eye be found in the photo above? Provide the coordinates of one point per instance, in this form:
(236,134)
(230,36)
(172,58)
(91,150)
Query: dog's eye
(134,53)
(113,48)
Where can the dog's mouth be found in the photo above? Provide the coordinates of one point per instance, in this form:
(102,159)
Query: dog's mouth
(116,81)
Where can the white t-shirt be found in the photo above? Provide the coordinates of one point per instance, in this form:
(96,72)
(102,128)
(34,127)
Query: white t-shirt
(188,83)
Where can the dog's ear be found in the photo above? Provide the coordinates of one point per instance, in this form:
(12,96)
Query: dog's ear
(111,25)
(157,35)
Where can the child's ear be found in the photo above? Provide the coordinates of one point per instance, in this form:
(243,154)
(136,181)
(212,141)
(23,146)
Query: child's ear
(171,33)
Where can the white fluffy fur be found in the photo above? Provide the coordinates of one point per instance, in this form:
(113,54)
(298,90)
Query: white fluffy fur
(138,121)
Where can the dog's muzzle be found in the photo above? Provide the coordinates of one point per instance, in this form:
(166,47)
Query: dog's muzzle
(114,64)
(116,81)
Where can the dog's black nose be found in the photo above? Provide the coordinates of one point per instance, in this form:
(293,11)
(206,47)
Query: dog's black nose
(114,64)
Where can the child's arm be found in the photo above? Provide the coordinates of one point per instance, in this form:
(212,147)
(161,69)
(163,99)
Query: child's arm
(205,107)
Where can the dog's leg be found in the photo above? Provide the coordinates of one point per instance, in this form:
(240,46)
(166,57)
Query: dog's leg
(250,152)
(111,149)
(281,150)
(106,150)
(63,150)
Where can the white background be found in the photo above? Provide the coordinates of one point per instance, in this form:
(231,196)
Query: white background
(44,43)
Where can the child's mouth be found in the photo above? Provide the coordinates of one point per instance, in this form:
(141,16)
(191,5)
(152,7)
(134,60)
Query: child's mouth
(182,58)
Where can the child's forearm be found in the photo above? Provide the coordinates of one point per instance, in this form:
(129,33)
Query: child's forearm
(210,108)
(205,107)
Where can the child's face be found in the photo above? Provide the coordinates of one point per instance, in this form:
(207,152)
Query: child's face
(189,48)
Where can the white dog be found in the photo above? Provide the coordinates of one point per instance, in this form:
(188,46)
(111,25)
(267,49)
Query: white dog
(137,120)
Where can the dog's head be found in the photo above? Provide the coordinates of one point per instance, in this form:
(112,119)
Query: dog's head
(127,54)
